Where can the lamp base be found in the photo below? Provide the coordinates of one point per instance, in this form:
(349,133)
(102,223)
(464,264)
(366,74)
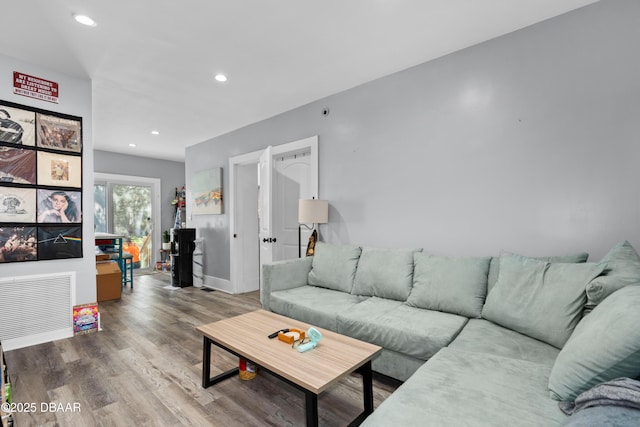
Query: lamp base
(311,247)
(313,238)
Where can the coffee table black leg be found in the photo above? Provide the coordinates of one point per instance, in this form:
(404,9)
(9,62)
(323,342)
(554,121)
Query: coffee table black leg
(312,408)
(206,362)
(367,393)
(206,366)
(367,387)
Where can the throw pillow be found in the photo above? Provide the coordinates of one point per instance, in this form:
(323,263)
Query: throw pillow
(452,285)
(494,267)
(623,269)
(539,299)
(385,273)
(605,345)
(334,266)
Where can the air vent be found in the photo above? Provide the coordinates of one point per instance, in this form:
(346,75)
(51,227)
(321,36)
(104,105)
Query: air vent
(36,309)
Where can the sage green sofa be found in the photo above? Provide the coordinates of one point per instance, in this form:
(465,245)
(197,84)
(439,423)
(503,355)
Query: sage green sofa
(493,341)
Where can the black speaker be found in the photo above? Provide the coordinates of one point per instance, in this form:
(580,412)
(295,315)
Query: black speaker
(182,247)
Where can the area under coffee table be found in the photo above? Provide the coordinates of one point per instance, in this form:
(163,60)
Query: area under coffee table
(312,372)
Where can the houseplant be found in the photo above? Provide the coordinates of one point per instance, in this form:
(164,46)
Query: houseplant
(166,238)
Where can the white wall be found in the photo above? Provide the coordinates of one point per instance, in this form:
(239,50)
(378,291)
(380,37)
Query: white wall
(75,99)
(525,143)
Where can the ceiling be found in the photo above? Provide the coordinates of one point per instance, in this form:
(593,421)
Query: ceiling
(152,62)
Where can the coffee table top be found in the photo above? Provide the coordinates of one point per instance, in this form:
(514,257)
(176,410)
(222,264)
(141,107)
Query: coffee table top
(335,356)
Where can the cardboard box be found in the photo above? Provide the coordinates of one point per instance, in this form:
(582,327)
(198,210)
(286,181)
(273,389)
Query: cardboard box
(102,257)
(108,281)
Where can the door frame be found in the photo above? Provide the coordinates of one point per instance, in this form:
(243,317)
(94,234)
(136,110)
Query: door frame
(156,213)
(309,144)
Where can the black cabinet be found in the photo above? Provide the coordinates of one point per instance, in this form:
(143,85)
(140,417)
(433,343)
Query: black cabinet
(182,247)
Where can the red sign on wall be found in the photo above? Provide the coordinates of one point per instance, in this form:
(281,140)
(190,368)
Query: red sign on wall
(35,87)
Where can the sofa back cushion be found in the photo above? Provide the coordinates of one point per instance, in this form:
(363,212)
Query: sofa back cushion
(452,285)
(604,346)
(334,266)
(540,299)
(385,273)
(494,268)
(623,269)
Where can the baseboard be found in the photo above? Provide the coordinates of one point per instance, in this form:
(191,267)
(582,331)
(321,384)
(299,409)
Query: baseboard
(16,343)
(218,284)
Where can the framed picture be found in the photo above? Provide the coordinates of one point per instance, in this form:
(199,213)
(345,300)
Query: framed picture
(59,170)
(17,165)
(207,192)
(18,244)
(17,126)
(59,133)
(59,242)
(58,206)
(17,204)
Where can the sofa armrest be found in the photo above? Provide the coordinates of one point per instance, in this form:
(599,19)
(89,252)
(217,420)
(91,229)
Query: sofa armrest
(281,275)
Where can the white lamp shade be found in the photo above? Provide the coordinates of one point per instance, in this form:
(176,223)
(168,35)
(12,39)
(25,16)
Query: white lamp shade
(313,211)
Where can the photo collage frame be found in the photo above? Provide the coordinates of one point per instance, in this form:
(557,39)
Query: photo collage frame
(40,184)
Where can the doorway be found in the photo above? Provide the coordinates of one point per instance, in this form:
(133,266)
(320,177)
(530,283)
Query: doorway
(263,206)
(290,183)
(129,206)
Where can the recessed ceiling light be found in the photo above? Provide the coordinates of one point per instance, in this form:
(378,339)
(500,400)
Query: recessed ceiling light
(85,20)
(221,78)
(155,132)
(132,145)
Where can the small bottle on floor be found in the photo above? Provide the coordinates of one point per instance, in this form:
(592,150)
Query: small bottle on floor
(247,370)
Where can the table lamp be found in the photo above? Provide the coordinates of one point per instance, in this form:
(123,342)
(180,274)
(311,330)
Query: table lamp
(311,211)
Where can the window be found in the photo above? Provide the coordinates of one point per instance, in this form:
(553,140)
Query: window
(124,206)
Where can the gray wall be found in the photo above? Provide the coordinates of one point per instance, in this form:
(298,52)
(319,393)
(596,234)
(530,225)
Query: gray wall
(74,99)
(525,143)
(171,175)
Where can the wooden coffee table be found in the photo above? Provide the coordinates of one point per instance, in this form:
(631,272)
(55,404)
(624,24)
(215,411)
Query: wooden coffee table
(312,372)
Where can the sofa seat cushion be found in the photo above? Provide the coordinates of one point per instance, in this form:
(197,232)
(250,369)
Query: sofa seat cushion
(314,305)
(393,325)
(458,388)
(395,365)
(482,336)
(385,273)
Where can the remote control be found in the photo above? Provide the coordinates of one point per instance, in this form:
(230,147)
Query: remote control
(275,334)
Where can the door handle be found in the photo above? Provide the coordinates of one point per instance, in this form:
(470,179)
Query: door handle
(269,240)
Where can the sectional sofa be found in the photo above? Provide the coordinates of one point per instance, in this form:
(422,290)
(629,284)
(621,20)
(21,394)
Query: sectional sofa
(478,341)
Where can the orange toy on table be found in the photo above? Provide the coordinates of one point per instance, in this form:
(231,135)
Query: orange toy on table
(289,339)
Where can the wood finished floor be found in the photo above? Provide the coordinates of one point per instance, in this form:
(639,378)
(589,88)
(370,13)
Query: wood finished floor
(144,369)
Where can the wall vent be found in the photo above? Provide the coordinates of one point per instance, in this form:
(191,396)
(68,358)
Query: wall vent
(36,309)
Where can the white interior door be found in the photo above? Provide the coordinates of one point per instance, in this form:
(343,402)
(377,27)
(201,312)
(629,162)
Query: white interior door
(265,195)
(246,230)
(245,234)
(291,182)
